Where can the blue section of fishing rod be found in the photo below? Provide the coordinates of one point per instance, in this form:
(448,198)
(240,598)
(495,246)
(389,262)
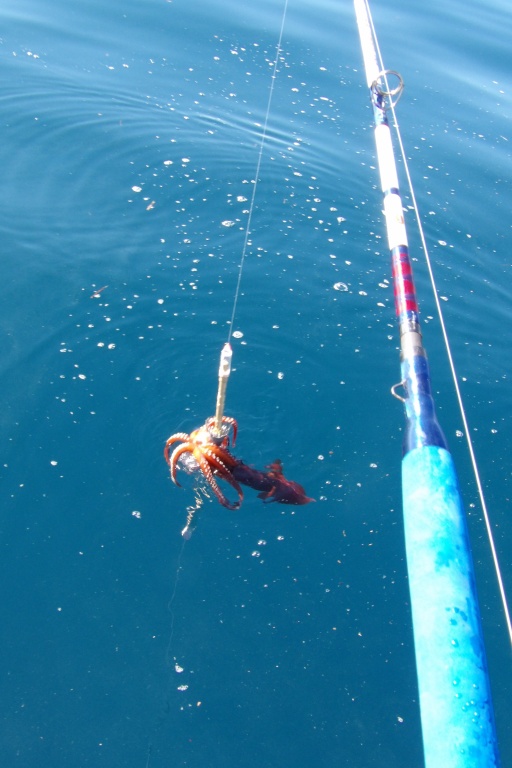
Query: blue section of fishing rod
(455,697)
(422,426)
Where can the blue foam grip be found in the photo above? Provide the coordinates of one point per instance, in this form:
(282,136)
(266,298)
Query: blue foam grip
(455,699)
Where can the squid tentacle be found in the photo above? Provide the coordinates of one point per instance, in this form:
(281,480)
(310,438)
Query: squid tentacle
(173,462)
(223,461)
(210,458)
(178,436)
(224,472)
(221,455)
(230,421)
(204,463)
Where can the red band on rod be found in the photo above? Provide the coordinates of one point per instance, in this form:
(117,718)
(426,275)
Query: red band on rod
(403,284)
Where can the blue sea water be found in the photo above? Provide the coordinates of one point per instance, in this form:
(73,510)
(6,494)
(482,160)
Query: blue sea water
(130,135)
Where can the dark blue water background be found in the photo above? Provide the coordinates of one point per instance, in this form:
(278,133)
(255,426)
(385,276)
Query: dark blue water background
(129,139)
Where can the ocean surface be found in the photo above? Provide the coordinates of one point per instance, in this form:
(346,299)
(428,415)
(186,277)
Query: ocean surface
(130,134)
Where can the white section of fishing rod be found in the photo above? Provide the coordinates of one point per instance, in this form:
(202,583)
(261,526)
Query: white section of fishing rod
(393,210)
(395,224)
(367,41)
(386,158)
(363,10)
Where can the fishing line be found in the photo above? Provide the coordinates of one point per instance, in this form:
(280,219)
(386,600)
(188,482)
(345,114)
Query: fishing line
(256,177)
(444,331)
(170,661)
(224,371)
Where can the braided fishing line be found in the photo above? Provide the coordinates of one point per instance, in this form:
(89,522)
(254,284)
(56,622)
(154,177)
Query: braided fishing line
(446,340)
(257,173)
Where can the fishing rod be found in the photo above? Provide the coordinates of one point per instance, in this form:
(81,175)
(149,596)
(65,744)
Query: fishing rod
(455,699)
